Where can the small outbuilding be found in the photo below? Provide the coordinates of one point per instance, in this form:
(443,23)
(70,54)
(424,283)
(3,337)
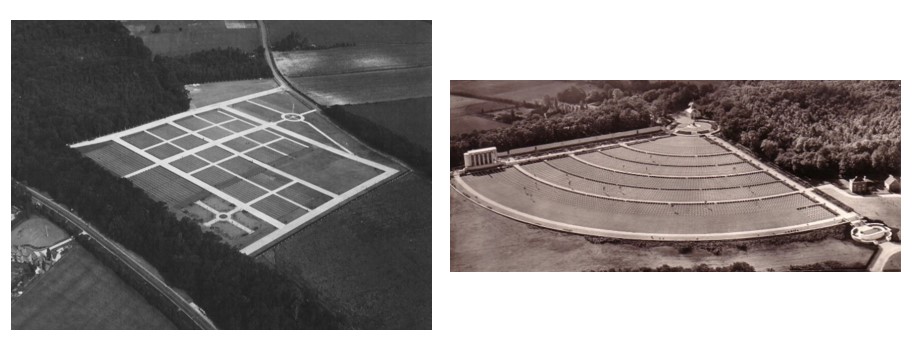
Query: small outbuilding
(892,184)
(859,186)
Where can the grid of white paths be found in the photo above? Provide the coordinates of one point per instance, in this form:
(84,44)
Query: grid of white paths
(215,218)
(282,229)
(304,121)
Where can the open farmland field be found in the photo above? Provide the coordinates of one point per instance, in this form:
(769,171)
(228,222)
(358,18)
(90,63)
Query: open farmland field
(180,37)
(37,232)
(481,240)
(460,106)
(210,93)
(367,87)
(535,88)
(352,59)
(465,111)
(518,90)
(244,153)
(79,292)
(409,118)
(328,32)
(464,114)
(378,271)
(469,123)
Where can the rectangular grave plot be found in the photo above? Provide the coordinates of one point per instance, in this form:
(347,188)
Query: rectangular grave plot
(239,166)
(264,155)
(287,147)
(193,123)
(240,144)
(275,207)
(215,133)
(117,158)
(305,196)
(214,116)
(269,180)
(164,151)
(215,154)
(262,136)
(189,163)
(167,131)
(291,216)
(214,176)
(188,142)
(243,190)
(236,126)
(166,186)
(142,140)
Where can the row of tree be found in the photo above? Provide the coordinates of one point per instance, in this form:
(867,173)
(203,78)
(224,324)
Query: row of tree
(216,65)
(77,80)
(294,41)
(734,267)
(631,108)
(815,129)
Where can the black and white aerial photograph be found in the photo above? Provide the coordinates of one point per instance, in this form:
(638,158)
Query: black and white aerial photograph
(221,174)
(675,175)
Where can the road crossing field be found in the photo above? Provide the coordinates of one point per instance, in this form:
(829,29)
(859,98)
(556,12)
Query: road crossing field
(245,152)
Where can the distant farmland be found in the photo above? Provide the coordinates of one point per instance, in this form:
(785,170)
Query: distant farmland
(180,37)
(79,292)
(409,118)
(469,123)
(367,87)
(518,90)
(353,59)
(464,114)
(327,32)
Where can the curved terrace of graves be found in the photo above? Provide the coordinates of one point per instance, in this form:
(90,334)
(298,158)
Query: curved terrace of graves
(666,188)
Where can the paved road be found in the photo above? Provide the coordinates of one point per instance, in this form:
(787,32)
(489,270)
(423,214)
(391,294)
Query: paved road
(885,251)
(183,305)
(264,37)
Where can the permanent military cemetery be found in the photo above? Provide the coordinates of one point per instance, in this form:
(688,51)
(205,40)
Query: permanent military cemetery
(252,169)
(679,183)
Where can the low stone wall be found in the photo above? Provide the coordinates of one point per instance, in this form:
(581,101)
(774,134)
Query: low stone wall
(840,232)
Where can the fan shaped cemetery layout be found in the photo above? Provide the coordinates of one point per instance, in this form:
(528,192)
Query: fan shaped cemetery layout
(665,188)
(252,169)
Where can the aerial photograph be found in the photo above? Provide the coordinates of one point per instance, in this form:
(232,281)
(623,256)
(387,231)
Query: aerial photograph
(674,175)
(221,174)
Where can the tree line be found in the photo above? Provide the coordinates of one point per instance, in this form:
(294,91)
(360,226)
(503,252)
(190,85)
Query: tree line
(294,41)
(814,129)
(637,105)
(739,266)
(76,80)
(216,65)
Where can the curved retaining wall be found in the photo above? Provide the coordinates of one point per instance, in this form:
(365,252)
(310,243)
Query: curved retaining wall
(464,189)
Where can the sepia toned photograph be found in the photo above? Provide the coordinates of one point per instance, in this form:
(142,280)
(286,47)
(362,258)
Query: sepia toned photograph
(221,174)
(678,175)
